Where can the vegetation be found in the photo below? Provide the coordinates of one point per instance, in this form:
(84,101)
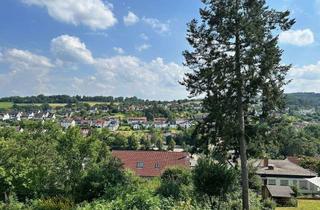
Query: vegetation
(304,205)
(236,64)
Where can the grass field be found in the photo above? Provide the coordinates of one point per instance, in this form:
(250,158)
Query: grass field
(8,105)
(5,105)
(304,205)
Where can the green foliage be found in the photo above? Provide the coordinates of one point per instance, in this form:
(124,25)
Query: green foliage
(175,183)
(53,203)
(171,145)
(44,161)
(133,142)
(269,204)
(214,180)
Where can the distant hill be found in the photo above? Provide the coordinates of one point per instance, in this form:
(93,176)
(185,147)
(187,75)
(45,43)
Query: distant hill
(303,99)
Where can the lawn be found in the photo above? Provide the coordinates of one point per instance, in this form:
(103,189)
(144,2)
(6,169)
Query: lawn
(304,205)
(5,105)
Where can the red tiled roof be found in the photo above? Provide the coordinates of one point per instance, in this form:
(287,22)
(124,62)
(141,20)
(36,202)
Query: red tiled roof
(150,159)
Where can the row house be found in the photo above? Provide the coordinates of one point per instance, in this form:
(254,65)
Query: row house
(160,122)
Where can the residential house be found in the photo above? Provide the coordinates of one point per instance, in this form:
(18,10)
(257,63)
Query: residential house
(151,163)
(100,123)
(66,123)
(137,120)
(160,122)
(183,123)
(85,131)
(31,116)
(285,173)
(6,116)
(280,194)
(113,125)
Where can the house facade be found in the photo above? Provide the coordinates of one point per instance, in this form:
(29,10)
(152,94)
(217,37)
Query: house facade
(286,173)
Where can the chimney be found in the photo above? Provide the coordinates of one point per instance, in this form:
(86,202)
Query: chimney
(265,162)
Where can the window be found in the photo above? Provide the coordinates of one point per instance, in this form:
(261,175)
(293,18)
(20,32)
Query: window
(271,182)
(303,185)
(157,165)
(140,164)
(295,183)
(284,182)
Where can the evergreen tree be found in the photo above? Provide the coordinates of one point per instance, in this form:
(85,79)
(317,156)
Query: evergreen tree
(236,65)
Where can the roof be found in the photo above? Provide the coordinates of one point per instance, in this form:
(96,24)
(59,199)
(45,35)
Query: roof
(283,168)
(151,159)
(280,191)
(315,181)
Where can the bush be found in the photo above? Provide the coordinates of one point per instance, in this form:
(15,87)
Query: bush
(292,203)
(269,204)
(175,183)
(54,203)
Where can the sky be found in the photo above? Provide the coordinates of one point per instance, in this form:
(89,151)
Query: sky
(125,47)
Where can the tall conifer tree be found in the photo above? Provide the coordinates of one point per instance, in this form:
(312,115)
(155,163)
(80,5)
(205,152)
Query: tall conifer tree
(236,63)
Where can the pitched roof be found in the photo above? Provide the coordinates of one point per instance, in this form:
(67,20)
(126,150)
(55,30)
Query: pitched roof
(282,168)
(280,191)
(154,162)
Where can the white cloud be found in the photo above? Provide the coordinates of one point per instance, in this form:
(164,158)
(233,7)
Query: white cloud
(71,49)
(92,13)
(304,79)
(144,36)
(297,37)
(119,50)
(157,25)
(143,47)
(130,19)
(129,76)
(120,75)
(27,72)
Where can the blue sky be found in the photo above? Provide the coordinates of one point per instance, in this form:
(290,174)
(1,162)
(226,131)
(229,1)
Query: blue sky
(124,47)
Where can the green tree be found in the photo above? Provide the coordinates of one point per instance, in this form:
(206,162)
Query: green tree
(133,142)
(214,181)
(237,65)
(175,183)
(171,145)
(145,143)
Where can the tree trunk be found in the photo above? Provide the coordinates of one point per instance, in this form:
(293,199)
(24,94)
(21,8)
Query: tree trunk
(240,116)
(243,157)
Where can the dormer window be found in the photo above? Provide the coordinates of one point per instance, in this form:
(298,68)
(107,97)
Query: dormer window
(140,165)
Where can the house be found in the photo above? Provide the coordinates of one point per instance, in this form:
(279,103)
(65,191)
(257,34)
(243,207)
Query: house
(137,120)
(6,116)
(113,125)
(285,173)
(85,131)
(136,126)
(280,194)
(100,123)
(183,123)
(151,163)
(160,122)
(31,116)
(66,123)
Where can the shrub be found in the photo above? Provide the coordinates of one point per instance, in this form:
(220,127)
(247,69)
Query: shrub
(269,204)
(54,203)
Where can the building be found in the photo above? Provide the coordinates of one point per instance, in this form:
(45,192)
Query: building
(280,194)
(66,123)
(137,120)
(183,123)
(160,122)
(151,163)
(113,125)
(285,173)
